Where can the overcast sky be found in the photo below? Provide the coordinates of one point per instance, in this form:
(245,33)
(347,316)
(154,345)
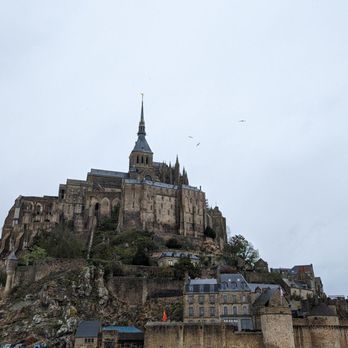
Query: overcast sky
(71,73)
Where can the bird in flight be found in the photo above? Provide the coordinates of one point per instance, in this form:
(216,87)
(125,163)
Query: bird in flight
(190,136)
(198,144)
(242,120)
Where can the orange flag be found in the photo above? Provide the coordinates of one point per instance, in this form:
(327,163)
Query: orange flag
(164,316)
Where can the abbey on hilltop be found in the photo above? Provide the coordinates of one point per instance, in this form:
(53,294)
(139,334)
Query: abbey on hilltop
(151,196)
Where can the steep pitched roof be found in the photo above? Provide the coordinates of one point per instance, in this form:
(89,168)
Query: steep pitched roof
(88,328)
(322,310)
(141,145)
(233,282)
(264,298)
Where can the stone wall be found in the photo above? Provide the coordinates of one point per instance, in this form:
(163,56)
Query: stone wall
(38,271)
(178,335)
(136,290)
(276,326)
(309,334)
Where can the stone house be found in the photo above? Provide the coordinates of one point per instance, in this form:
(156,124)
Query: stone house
(88,334)
(122,337)
(227,300)
(261,266)
(170,258)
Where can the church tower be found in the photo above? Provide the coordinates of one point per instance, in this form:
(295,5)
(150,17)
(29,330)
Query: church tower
(141,158)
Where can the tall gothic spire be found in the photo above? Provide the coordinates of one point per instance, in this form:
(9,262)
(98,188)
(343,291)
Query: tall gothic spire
(141,130)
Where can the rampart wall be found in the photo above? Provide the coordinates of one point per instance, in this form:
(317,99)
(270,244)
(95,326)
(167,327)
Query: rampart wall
(136,290)
(178,335)
(40,270)
(317,332)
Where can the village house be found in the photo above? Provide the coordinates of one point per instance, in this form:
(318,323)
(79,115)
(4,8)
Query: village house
(88,334)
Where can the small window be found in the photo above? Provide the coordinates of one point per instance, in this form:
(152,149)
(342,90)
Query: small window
(190,299)
(190,311)
(212,298)
(235,310)
(234,298)
(245,310)
(225,310)
(201,299)
(225,299)
(212,311)
(201,311)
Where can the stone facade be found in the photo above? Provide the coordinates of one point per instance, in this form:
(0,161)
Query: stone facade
(194,335)
(151,196)
(227,300)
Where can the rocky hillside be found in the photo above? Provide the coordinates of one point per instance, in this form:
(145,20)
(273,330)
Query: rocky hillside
(49,310)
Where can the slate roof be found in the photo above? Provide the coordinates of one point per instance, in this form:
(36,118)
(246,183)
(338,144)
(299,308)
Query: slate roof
(201,281)
(101,172)
(265,297)
(88,328)
(12,257)
(233,282)
(321,310)
(253,286)
(123,329)
(179,255)
(141,145)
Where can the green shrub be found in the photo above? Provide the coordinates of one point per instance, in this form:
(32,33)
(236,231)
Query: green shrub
(184,266)
(33,254)
(141,257)
(173,243)
(2,278)
(61,242)
(209,232)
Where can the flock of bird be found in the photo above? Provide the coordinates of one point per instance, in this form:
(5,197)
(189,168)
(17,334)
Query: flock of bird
(191,137)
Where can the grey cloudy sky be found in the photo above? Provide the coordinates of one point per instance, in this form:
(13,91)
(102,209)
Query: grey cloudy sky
(70,77)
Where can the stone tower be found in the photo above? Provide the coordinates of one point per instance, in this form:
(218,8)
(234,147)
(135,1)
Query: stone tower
(11,264)
(141,157)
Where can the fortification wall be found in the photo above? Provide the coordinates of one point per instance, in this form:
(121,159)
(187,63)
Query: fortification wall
(320,336)
(178,335)
(277,327)
(38,271)
(135,290)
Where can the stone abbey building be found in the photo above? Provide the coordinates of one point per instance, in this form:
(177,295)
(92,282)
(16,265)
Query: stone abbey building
(151,196)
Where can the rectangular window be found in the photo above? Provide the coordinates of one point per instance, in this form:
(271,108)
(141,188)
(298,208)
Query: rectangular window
(190,299)
(235,310)
(243,298)
(225,310)
(212,311)
(234,299)
(190,311)
(201,299)
(246,324)
(201,311)
(225,299)
(212,298)
(245,310)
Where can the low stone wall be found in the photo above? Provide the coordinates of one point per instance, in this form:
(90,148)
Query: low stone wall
(179,335)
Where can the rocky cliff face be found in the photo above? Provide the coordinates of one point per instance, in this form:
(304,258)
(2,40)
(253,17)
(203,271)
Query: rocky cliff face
(49,310)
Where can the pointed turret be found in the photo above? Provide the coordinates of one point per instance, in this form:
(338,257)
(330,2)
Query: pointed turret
(141,130)
(177,171)
(141,155)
